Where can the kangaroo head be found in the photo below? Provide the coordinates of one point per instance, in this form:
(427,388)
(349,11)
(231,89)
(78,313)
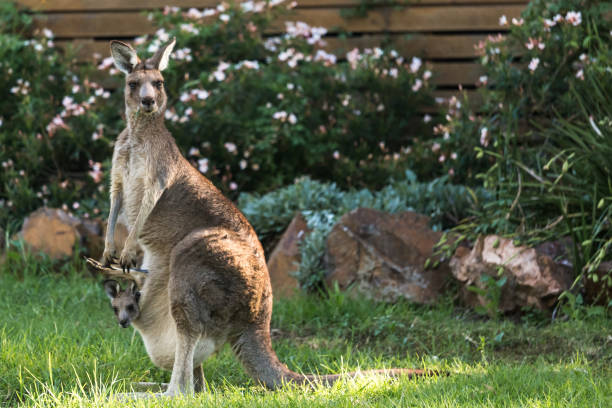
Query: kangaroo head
(144,83)
(124,302)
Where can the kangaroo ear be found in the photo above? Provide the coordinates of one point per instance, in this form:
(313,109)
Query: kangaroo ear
(112,288)
(133,288)
(124,56)
(160,60)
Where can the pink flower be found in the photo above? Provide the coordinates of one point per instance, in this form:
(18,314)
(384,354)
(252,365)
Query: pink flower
(580,74)
(292,119)
(336,154)
(518,21)
(233,186)
(230,147)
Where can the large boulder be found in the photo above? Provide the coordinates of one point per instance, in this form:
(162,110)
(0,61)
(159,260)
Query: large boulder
(56,233)
(285,258)
(52,231)
(532,277)
(382,256)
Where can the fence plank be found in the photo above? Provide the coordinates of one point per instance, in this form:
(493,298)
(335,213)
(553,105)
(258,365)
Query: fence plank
(423,19)
(425,46)
(108,5)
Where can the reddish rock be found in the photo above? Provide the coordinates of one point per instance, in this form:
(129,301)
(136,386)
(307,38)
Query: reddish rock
(533,277)
(382,256)
(285,258)
(51,231)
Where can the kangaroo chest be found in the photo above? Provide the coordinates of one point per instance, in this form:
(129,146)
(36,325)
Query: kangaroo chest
(136,177)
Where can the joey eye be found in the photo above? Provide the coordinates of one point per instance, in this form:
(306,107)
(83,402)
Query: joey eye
(130,308)
(115,310)
(133,85)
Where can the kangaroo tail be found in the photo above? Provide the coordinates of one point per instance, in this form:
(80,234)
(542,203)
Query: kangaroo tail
(254,349)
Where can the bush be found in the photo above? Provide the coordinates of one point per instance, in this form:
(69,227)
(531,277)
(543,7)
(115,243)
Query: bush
(47,119)
(322,204)
(253,113)
(542,135)
(528,77)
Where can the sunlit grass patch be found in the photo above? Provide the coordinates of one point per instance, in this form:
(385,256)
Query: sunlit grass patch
(60,346)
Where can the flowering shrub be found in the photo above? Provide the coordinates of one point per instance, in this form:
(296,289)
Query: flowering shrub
(254,112)
(528,75)
(52,140)
(542,135)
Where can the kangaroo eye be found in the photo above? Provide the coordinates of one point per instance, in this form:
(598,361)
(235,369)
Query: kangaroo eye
(158,84)
(130,308)
(133,85)
(115,310)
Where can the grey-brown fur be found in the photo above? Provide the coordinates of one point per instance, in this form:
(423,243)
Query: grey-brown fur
(208,283)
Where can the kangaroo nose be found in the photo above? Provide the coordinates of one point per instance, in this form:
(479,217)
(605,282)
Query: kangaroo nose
(147,101)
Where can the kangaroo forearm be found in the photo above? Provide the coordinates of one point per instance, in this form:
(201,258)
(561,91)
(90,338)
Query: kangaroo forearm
(116,202)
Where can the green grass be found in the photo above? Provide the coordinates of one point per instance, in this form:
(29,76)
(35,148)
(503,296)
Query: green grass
(60,346)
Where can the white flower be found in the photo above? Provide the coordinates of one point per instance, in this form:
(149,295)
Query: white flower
(518,21)
(580,74)
(194,151)
(336,154)
(280,115)
(219,75)
(426,118)
(47,33)
(230,147)
(435,147)
(224,17)
(503,20)
(484,137)
(233,186)
(208,12)
(290,86)
(243,164)
(415,64)
(203,165)
(574,18)
(426,75)
(417,85)
(533,65)
(292,119)
(483,79)
(201,93)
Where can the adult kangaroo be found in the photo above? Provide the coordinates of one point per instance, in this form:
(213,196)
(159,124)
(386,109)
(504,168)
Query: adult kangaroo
(208,283)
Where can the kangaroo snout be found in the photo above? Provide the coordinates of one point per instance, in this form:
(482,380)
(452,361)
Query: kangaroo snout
(148,103)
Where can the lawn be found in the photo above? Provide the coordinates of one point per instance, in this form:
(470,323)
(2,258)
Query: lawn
(60,346)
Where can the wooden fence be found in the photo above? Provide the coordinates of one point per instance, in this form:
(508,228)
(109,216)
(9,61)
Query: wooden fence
(442,32)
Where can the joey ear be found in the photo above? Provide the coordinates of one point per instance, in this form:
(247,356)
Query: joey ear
(112,288)
(160,60)
(133,288)
(124,56)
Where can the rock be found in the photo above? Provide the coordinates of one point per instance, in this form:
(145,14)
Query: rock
(55,232)
(285,258)
(533,278)
(383,255)
(51,231)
